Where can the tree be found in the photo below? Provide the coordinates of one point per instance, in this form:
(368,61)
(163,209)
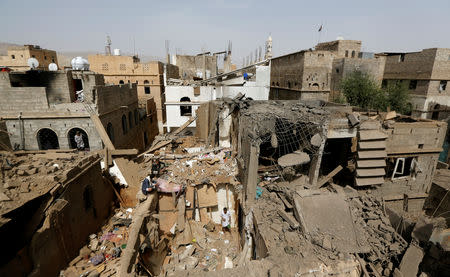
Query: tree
(398,98)
(360,90)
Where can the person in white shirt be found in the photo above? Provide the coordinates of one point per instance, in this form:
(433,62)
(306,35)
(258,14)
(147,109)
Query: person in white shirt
(225,220)
(79,140)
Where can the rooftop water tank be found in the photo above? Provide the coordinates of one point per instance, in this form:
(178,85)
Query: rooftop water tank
(116,52)
(79,63)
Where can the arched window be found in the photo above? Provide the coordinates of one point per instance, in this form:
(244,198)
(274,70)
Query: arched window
(185,110)
(110,131)
(71,136)
(124,125)
(130,120)
(47,139)
(136,117)
(146,87)
(346,53)
(353,53)
(315,85)
(121,82)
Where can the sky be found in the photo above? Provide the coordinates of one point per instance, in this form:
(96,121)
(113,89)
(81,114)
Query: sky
(192,26)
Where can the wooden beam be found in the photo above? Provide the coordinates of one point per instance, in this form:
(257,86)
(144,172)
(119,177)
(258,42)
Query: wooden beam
(329,176)
(123,152)
(102,132)
(185,125)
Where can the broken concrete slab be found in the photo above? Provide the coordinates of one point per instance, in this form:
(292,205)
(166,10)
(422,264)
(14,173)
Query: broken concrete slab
(296,158)
(409,265)
(328,214)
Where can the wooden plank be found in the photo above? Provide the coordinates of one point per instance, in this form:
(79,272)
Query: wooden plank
(330,175)
(102,132)
(123,152)
(181,206)
(372,144)
(397,151)
(372,154)
(371,135)
(370,163)
(370,172)
(369,181)
(184,126)
(289,219)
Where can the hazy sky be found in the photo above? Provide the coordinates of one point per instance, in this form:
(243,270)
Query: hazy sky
(191,25)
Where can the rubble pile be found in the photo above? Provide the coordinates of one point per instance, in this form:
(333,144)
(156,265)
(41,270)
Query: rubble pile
(101,255)
(377,243)
(203,169)
(24,177)
(210,249)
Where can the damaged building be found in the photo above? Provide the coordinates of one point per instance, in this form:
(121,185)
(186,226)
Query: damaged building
(425,74)
(310,188)
(45,109)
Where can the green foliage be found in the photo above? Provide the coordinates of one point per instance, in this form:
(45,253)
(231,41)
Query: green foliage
(360,90)
(398,97)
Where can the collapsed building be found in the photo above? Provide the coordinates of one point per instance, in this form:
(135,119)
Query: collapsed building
(44,110)
(313,189)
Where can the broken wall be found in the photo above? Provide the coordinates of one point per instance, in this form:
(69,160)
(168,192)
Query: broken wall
(79,211)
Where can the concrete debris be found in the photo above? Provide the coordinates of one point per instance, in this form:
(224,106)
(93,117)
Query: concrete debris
(296,158)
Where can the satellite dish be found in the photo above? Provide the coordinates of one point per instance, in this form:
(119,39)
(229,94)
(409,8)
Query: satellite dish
(80,63)
(53,67)
(32,63)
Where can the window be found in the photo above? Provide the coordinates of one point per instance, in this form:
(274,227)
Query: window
(121,82)
(337,70)
(33,56)
(53,60)
(130,120)
(105,67)
(289,84)
(404,167)
(110,131)
(401,58)
(185,110)
(45,57)
(146,67)
(13,57)
(442,85)
(122,67)
(146,88)
(346,53)
(124,125)
(413,84)
(353,53)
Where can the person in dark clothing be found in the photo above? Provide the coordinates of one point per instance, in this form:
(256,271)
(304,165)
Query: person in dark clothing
(156,168)
(147,186)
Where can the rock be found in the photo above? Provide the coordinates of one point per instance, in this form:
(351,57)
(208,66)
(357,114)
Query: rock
(9,185)
(32,171)
(326,243)
(20,172)
(289,250)
(210,226)
(190,262)
(316,140)
(4,197)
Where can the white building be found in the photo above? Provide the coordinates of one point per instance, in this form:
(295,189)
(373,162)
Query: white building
(182,101)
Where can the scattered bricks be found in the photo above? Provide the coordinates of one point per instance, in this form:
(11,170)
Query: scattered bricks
(20,172)
(32,171)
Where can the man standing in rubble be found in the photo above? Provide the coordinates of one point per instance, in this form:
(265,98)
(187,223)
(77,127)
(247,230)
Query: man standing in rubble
(225,220)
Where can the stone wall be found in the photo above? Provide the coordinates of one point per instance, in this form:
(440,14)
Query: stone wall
(342,48)
(192,66)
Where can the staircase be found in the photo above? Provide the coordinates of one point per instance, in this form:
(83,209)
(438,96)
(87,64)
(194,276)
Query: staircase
(371,156)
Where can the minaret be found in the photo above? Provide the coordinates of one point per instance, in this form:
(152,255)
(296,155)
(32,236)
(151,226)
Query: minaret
(268,54)
(108,46)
